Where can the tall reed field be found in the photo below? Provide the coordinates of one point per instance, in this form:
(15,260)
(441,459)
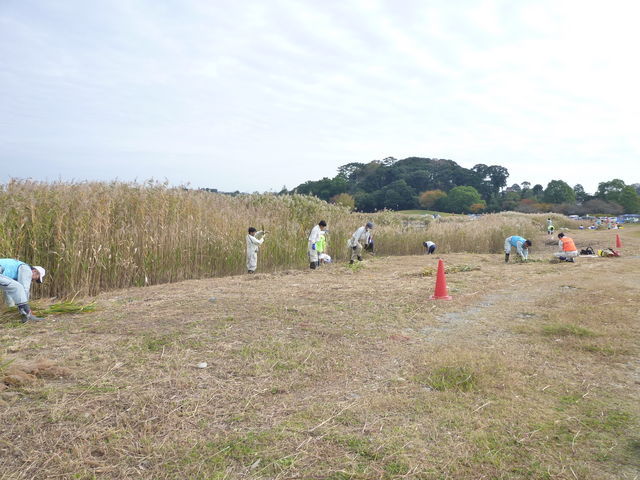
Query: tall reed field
(97,236)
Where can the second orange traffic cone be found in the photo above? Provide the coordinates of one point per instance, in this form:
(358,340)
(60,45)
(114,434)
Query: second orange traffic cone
(441,284)
(618,241)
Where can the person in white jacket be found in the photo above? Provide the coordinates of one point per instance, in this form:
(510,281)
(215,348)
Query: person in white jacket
(314,236)
(253,245)
(360,236)
(430,247)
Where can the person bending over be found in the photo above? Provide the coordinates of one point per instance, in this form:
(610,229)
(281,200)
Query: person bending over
(15,282)
(521,245)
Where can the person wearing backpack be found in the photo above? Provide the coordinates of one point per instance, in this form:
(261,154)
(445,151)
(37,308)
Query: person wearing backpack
(568,250)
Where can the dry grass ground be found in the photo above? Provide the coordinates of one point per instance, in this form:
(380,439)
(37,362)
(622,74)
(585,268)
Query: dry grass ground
(531,371)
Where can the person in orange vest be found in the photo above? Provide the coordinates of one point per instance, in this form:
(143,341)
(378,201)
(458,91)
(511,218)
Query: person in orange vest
(568,250)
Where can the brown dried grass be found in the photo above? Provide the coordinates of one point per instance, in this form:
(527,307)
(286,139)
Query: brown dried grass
(326,374)
(25,373)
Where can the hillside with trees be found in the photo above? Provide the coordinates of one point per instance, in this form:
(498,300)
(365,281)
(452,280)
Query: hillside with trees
(444,185)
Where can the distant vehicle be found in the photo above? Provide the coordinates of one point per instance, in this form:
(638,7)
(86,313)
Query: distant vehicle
(629,218)
(575,217)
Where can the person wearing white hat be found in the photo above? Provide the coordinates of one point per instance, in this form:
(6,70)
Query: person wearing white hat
(15,282)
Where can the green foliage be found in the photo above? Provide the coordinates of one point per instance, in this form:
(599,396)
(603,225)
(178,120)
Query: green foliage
(456,378)
(156,344)
(581,195)
(431,271)
(324,189)
(67,307)
(566,329)
(460,199)
(510,200)
(398,195)
(393,184)
(629,200)
(558,191)
(611,190)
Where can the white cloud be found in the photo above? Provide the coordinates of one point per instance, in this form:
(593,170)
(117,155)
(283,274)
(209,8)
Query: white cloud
(248,95)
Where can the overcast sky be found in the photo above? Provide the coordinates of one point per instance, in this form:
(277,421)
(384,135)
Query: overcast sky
(253,95)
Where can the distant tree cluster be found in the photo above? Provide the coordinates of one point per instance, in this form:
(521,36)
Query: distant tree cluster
(444,185)
(613,198)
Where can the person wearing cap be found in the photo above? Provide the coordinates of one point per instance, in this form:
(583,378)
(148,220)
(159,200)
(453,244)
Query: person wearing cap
(568,250)
(521,245)
(15,282)
(312,247)
(253,245)
(361,235)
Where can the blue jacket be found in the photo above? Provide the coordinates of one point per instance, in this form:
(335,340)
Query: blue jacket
(515,240)
(10,266)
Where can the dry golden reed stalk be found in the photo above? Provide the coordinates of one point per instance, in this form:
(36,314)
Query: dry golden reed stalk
(94,236)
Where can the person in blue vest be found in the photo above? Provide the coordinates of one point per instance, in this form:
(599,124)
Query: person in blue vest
(521,245)
(15,282)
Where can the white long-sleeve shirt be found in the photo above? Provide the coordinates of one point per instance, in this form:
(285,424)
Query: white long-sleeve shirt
(253,243)
(314,236)
(360,235)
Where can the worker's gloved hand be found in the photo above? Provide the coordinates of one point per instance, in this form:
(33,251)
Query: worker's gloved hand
(313,246)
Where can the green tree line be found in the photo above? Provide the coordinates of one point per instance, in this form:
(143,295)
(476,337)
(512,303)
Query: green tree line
(444,185)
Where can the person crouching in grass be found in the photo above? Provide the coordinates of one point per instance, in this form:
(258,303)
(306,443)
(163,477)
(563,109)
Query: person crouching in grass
(568,250)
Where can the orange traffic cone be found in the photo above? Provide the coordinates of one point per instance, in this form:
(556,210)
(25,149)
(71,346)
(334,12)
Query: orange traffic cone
(441,284)
(618,241)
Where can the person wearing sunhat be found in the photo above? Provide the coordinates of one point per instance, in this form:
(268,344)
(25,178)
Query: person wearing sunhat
(15,282)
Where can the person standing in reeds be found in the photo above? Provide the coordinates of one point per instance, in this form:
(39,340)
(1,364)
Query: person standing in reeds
(550,227)
(312,248)
(253,245)
(15,282)
(362,234)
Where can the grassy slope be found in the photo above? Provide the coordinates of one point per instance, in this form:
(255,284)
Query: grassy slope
(530,372)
